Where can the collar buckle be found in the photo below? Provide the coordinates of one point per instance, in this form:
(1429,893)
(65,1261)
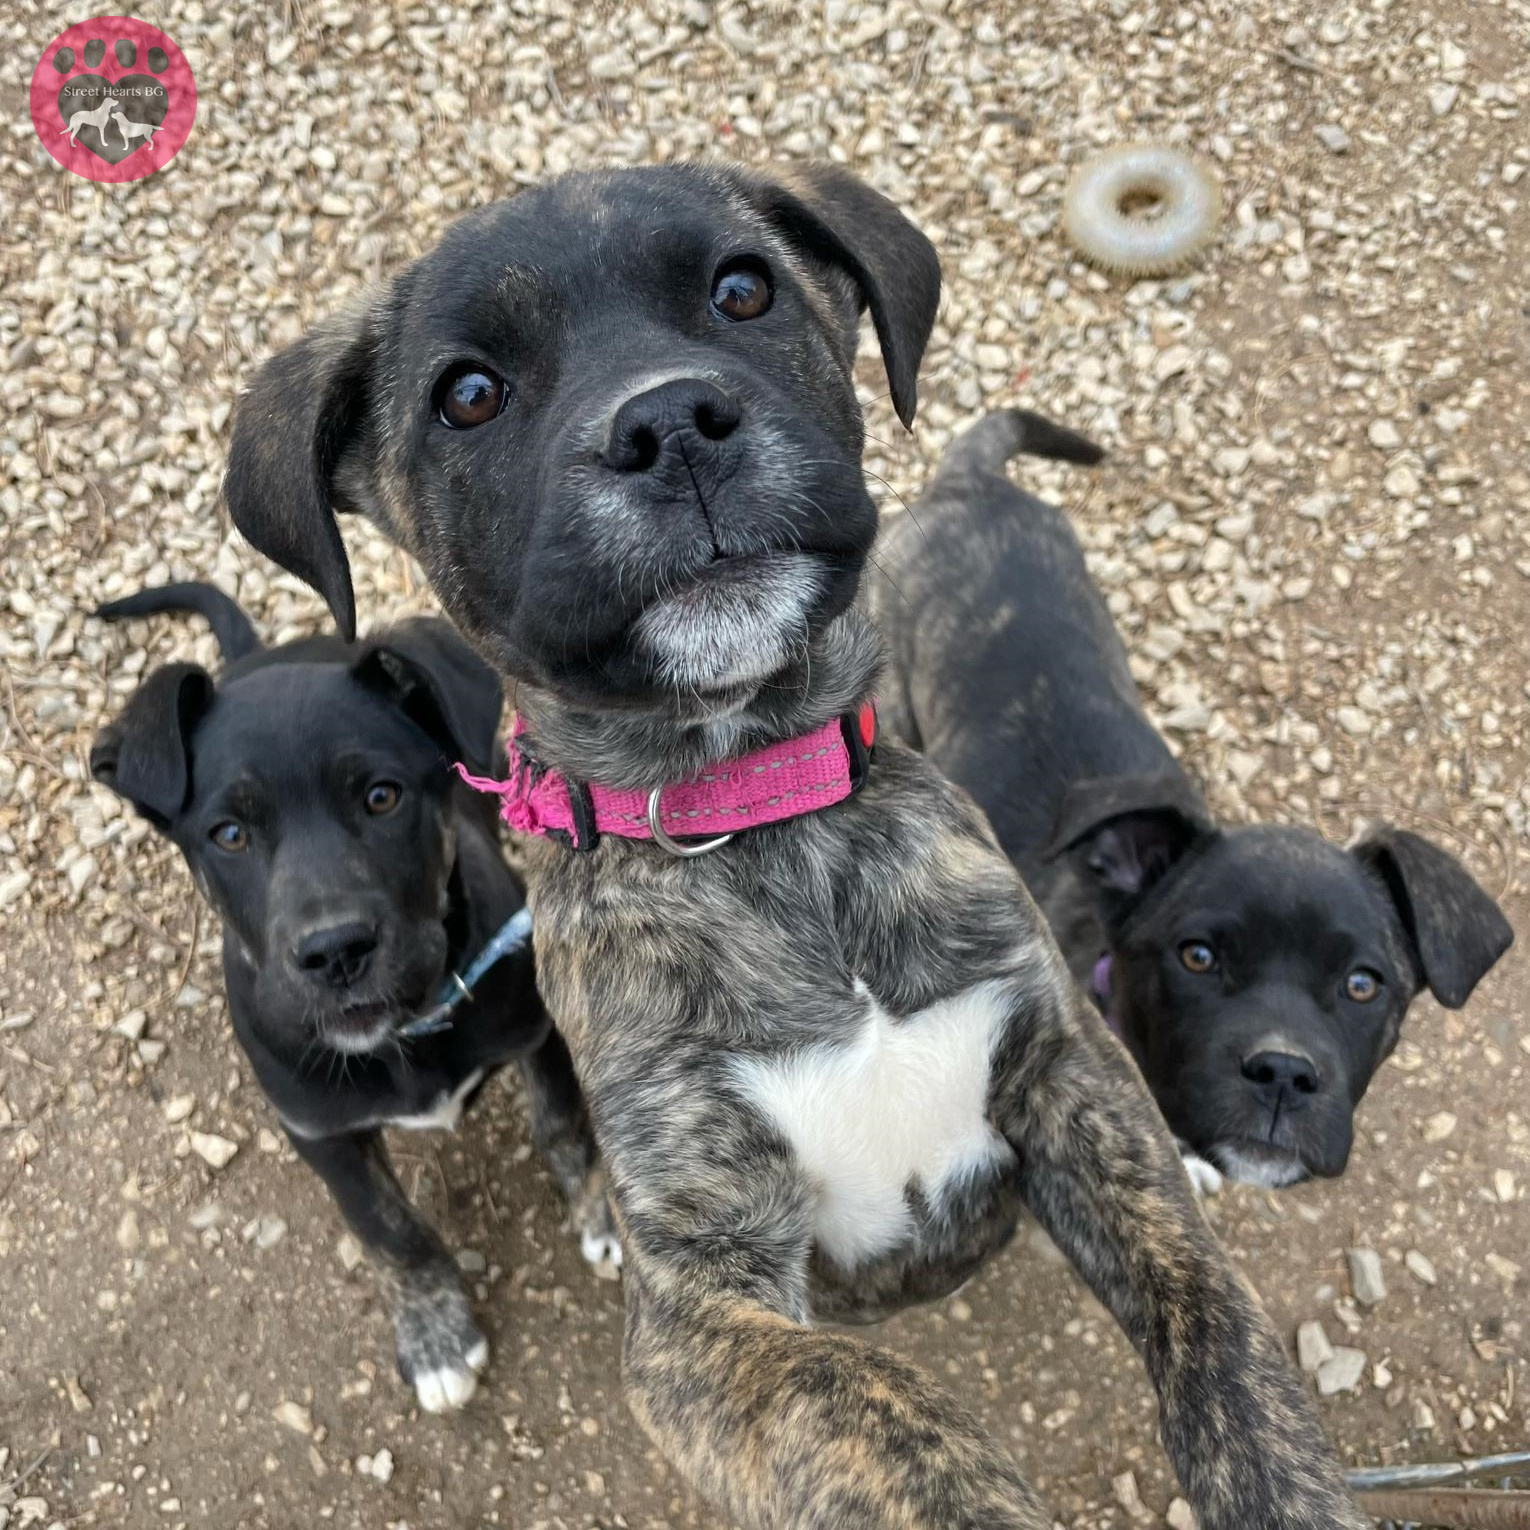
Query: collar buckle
(663,839)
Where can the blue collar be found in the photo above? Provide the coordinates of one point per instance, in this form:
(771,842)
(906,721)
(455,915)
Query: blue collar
(458,987)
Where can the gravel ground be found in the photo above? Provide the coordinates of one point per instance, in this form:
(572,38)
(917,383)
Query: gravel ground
(1315,530)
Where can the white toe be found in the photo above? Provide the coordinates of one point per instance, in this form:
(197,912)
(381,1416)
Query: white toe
(601,1248)
(432,1395)
(447,1388)
(460,1386)
(1205,1178)
(478,1355)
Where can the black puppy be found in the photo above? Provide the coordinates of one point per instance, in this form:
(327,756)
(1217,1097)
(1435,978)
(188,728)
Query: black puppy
(1259,975)
(311,795)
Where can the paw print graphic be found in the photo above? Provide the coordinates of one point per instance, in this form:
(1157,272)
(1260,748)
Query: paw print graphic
(116,96)
(112,117)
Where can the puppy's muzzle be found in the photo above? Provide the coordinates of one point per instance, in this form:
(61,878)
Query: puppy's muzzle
(684,429)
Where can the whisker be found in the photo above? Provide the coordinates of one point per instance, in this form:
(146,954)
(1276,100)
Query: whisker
(893,584)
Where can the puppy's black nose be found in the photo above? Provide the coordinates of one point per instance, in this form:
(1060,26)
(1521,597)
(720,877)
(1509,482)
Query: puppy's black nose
(336,955)
(1271,1072)
(686,416)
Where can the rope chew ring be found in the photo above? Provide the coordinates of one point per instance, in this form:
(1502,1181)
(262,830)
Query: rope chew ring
(1141,210)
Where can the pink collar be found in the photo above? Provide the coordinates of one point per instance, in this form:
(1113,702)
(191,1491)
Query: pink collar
(786,780)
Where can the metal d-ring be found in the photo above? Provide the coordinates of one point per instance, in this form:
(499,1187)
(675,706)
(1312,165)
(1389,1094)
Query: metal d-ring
(674,846)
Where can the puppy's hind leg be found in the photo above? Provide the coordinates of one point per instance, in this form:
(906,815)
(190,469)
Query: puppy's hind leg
(1099,1170)
(440,1348)
(560,1128)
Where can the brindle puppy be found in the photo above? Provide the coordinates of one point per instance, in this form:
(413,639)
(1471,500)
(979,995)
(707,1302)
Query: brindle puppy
(829,1062)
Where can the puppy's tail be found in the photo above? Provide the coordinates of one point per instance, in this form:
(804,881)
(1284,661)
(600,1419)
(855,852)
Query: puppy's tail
(232,628)
(1007,433)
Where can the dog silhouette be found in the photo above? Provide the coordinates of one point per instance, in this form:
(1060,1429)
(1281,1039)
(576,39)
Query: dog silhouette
(131,130)
(95,119)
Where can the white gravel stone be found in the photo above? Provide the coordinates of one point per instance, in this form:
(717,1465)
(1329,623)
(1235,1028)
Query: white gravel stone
(1507,1270)
(1367,1280)
(269,1231)
(1193,718)
(1439,1126)
(218,1152)
(1127,1494)
(1342,1371)
(132,1024)
(1442,98)
(129,1238)
(1244,767)
(1313,1349)
(1421,1267)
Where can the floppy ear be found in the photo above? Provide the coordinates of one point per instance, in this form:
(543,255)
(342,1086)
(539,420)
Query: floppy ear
(144,755)
(302,421)
(441,686)
(839,219)
(1134,828)
(1456,929)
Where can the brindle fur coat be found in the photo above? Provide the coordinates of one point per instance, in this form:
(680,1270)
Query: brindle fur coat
(828,1063)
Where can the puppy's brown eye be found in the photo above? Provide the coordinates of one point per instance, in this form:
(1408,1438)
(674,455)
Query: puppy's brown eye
(1362,985)
(383,797)
(230,836)
(1197,957)
(470,395)
(741,290)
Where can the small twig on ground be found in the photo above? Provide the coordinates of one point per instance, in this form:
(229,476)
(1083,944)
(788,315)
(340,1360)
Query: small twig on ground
(29,747)
(488,1194)
(144,923)
(26,1057)
(191,952)
(15,1484)
(1296,61)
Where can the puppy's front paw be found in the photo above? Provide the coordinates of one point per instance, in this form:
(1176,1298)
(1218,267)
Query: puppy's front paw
(440,1349)
(602,1249)
(1205,1178)
(599,1240)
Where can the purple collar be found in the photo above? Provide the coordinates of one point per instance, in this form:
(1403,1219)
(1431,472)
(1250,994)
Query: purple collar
(1100,985)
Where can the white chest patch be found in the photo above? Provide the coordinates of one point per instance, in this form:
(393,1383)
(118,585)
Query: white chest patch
(903,1102)
(446,1112)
